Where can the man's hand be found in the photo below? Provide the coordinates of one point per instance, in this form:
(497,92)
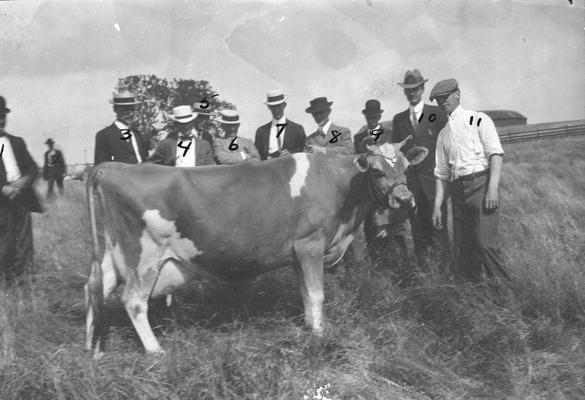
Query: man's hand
(283,152)
(492,200)
(10,191)
(313,148)
(437,218)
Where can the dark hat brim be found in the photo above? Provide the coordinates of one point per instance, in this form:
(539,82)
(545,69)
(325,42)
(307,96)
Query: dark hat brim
(320,108)
(411,85)
(5,111)
(372,112)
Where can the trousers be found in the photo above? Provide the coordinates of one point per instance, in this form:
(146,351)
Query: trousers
(16,240)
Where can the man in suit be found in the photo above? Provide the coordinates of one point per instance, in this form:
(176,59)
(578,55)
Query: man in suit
(202,122)
(328,138)
(54,168)
(423,122)
(382,226)
(228,147)
(185,149)
(18,172)
(281,136)
(119,141)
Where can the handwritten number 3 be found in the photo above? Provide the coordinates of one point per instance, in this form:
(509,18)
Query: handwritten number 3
(335,134)
(233,145)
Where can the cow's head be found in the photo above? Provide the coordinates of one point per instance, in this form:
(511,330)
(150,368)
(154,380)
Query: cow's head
(385,166)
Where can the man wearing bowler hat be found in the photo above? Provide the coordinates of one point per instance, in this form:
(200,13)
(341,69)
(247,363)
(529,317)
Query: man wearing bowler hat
(381,131)
(328,138)
(423,122)
(228,147)
(119,141)
(185,149)
(469,162)
(54,168)
(281,136)
(18,172)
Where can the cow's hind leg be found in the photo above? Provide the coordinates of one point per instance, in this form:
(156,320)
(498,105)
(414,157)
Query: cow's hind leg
(136,304)
(309,268)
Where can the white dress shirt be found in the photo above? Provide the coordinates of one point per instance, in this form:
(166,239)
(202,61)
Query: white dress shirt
(273,144)
(122,126)
(417,110)
(189,160)
(10,165)
(325,128)
(463,147)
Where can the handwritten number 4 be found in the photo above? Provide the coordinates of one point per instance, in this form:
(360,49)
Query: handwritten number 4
(335,134)
(233,145)
(183,147)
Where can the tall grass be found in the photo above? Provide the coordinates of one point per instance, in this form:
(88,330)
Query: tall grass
(394,331)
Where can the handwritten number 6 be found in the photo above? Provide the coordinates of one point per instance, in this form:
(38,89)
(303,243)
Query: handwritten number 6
(233,145)
(335,134)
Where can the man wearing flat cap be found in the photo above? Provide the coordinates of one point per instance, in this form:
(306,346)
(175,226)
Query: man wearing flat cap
(184,149)
(54,168)
(18,172)
(469,162)
(281,136)
(228,147)
(328,138)
(423,122)
(119,141)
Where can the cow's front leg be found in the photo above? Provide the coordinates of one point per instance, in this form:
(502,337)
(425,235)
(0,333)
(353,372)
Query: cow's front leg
(309,268)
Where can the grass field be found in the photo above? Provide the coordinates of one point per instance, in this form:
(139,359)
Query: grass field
(387,337)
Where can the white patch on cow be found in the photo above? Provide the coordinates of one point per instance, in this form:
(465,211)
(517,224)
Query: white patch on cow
(297,181)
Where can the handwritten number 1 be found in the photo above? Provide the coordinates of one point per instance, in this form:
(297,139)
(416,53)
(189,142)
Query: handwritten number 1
(183,147)
(233,145)
(2,152)
(335,136)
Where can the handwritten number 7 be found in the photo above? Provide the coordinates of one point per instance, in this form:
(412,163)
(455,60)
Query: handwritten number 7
(183,147)
(126,132)
(205,103)
(233,145)
(280,129)
(335,134)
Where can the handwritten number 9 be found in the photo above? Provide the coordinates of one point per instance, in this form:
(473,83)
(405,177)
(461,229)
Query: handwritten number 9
(233,145)
(377,133)
(335,134)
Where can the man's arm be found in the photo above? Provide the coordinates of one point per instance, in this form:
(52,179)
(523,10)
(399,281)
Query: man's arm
(440,187)
(207,157)
(252,151)
(101,152)
(159,155)
(492,200)
(224,155)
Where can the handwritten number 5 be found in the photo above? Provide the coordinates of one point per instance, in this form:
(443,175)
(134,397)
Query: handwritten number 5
(233,145)
(205,103)
(335,134)
(126,132)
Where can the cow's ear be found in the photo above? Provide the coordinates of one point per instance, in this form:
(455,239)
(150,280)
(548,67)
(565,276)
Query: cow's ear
(416,154)
(362,163)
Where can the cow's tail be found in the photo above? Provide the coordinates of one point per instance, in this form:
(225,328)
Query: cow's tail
(94,297)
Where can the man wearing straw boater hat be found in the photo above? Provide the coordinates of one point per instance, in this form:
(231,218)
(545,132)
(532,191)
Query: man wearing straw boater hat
(281,136)
(185,149)
(203,124)
(423,122)
(54,168)
(469,163)
(328,138)
(228,147)
(18,172)
(119,141)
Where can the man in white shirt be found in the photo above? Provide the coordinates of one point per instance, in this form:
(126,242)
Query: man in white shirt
(18,172)
(469,162)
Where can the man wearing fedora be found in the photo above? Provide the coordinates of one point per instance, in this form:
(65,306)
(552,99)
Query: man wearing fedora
(281,136)
(469,163)
(229,148)
(119,141)
(18,172)
(203,124)
(328,138)
(381,226)
(423,122)
(54,168)
(185,149)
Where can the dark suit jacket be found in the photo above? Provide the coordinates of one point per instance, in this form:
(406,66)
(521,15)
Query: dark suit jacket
(385,137)
(54,167)
(425,136)
(109,146)
(166,152)
(28,170)
(342,145)
(293,134)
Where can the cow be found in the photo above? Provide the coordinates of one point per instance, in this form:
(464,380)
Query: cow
(166,226)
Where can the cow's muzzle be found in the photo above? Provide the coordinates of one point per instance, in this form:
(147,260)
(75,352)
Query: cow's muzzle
(400,196)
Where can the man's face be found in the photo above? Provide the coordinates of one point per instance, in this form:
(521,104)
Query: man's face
(125,114)
(321,117)
(277,110)
(201,122)
(449,102)
(186,128)
(228,130)
(2,121)
(372,120)
(414,95)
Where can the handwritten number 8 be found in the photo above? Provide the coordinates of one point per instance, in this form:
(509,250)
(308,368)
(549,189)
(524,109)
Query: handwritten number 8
(233,145)
(335,134)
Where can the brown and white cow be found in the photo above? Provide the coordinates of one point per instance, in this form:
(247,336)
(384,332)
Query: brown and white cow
(165,226)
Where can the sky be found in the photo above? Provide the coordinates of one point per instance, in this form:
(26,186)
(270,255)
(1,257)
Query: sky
(60,60)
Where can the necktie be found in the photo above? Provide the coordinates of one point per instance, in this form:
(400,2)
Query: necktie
(413,119)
